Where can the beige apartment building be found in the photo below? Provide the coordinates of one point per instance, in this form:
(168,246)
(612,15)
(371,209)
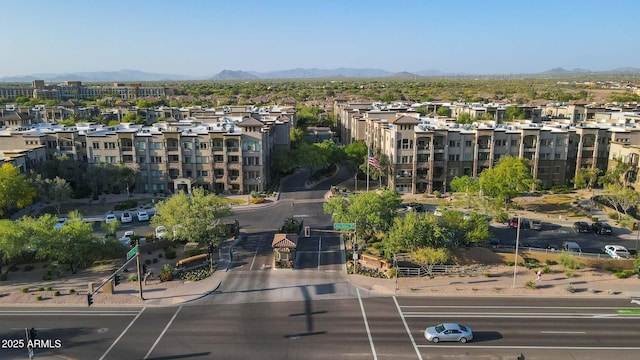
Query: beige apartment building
(423,154)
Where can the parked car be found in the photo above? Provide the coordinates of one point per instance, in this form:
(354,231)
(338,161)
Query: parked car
(448,332)
(126,217)
(61,222)
(581,227)
(513,223)
(617,251)
(571,246)
(109,218)
(143,216)
(601,228)
(535,224)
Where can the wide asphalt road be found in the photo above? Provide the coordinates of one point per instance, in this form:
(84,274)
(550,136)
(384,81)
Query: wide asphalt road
(355,328)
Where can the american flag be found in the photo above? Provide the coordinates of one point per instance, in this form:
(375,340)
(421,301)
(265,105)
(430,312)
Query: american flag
(373,161)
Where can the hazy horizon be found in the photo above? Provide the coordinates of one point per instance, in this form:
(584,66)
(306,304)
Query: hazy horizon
(201,38)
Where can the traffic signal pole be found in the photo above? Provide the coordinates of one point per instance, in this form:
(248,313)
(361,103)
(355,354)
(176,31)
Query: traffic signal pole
(139,275)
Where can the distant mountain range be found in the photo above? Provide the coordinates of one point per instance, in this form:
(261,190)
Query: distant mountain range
(299,73)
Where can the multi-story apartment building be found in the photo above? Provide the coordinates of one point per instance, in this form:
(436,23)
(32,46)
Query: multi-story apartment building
(76,90)
(425,154)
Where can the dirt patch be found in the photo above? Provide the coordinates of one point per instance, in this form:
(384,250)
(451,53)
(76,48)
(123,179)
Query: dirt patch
(475,255)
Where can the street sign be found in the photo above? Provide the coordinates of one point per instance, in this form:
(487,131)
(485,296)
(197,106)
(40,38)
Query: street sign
(344,226)
(132,252)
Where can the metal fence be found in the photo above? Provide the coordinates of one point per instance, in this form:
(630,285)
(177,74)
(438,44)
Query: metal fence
(445,270)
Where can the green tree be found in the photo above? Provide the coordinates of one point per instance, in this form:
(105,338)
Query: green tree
(73,244)
(513,113)
(620,197)
(430,256)
(15,189)
(508,179)
(192,217)
(615,175)
(464,118)
(586,178)
(411,232)
(444,111)
(354,153)
(372,212)
(13,240)
(56,191)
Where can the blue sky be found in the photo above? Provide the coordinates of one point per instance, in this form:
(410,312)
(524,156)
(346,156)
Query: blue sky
(202,38)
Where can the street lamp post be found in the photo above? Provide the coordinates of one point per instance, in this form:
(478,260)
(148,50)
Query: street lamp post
(637,235)
(355,178)
(515,262)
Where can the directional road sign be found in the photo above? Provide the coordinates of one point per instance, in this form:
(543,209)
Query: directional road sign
(344,226)
(132,252)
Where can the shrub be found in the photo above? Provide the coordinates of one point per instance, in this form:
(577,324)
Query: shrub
(194,252)
(25,290)
(509,263)
(624,274)
(569,261)
(49,288)
(133,277)
(56,293)
(71,291)
(160,255)
(39,297)
(155,260)
(547,270)
(569,273)
(128,204)
(28,267)
(592,290)
(40,288)
(258,200)
(569,287)
(501,217)
(550,262)
(147,261)
(166,277)
(3,276)
(170,253)
(560,189)
(531,284)
(437,194)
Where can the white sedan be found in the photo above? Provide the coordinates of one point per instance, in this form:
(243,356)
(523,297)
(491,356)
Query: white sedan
(126,217)
(617,251)
(143,216)
(448,332)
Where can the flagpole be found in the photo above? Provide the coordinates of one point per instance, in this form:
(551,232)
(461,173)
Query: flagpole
(368,155)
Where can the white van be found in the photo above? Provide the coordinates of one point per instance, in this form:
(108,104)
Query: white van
(571,246)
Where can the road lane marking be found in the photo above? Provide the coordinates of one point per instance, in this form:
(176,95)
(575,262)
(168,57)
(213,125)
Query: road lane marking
(563,332)
(518,316)
(467,346)
(366,325)
(511,307)
(162,333)
(255,254)
(406,327)
(122,334)
(319,251)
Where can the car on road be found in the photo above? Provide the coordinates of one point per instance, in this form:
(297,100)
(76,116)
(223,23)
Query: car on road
(581,227)
(571,246)
(513,223)
(535,224)
(126,217)
(617,251)
(61,222)
(601,228)
(448,332)
(109,218)
(142,216)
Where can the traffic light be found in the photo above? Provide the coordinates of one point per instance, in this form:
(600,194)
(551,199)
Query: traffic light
(116,280)
(210,249)
(144,269)
(355,247)
(32,334)
(307,231)
(89,299)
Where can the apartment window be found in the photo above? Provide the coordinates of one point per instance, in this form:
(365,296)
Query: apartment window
(454,157)
(203,173)
(96,145)
(514,142)
(156,173)
(545,156)
(218,158)
(110,159)
(500,142)
(453,171)
(174,158)
(404,174)
(156,159)
(405,144)
(557,156)
(96,159)
(141,159)
(187,160)
(423,145)
(202,159)
(556,170)
(187,145)
(251,145)
(141,145)
(155,145)
(110,145)
(250,160)
(404,160)
(454,143)
(157,187)
(467,143)
(233,159)
(143,173)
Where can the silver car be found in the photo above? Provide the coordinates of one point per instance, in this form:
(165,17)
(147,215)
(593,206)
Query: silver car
(448,332)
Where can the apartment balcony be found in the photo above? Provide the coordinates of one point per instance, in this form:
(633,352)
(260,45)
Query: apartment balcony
(218,176)
(173,148)
(126,148)
(218,148)
(233,178)
(484,147)
(233,149)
